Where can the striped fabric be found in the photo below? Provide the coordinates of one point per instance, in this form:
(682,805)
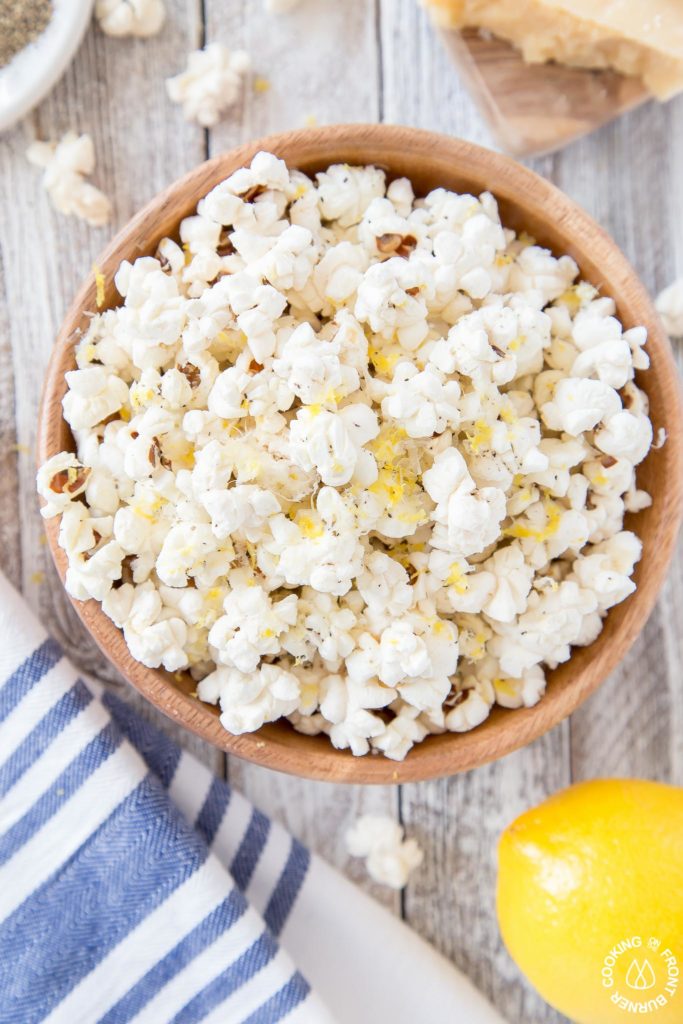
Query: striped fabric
(136,887)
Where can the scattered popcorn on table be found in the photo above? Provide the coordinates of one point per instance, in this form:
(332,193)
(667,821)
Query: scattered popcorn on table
(353,459)
(389,857)
(211,84)
(130,17)
(66,164)
(669,305)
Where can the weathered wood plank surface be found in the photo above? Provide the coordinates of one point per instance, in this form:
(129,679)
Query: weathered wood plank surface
(362,60)
(45,256)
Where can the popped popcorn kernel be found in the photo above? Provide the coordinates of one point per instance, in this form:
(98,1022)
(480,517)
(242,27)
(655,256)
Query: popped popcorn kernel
(66,165)
(669,304)
(389,857)
(142,18)
(211,83)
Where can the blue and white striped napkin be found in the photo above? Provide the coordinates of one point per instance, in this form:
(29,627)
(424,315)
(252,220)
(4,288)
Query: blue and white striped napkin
(135,886)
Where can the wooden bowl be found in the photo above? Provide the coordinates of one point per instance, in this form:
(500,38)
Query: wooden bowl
(526,202)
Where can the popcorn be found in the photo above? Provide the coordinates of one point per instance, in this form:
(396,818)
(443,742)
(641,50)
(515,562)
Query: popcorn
(471,517)
(389,857)
(249,701)
(484,345)
(335,278)
(287,262)
(604,349)
(423,401)
(499,589)
(251,627)
(191,550)
(257,306)
(469,712)
(243,507)
(579,405)
(326,628)
(553,621)
(94,576)
(669,304)
(61,479)
(313,370)
(92,396)
(211,83)
(390,301)
(79,531)
(355,460)
(154,637)
(539,275)
(402,654)
(332,443)
(346,192)
(518,693)
(130,17)
(625,436)
(351,725)
(608,568)
(385,589)
(404,730)
(67,163)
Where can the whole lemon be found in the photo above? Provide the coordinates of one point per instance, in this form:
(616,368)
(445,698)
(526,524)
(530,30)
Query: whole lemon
(590,900)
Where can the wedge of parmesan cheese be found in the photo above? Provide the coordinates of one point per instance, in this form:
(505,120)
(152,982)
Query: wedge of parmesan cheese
(636,37)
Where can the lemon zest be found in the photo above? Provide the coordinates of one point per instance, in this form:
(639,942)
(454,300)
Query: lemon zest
(480,436)
(99,286)
(389,485)
(505,687)
(553,518)
(456,578)
(309,527)
(383,362)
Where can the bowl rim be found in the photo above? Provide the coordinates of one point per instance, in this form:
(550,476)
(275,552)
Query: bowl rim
(277,746)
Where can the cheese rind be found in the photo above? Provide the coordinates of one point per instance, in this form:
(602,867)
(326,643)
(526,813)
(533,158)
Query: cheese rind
(643,38)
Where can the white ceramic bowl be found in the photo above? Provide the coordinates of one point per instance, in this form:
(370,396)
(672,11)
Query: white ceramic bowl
(30,75)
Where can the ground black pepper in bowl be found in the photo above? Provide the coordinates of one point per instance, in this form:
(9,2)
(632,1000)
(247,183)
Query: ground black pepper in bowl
(21,21)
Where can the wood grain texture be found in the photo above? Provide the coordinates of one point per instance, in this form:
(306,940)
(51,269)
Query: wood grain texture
(537,108)
(451,900)
(632,726)
(10,534)
(45,257)
(386,62)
